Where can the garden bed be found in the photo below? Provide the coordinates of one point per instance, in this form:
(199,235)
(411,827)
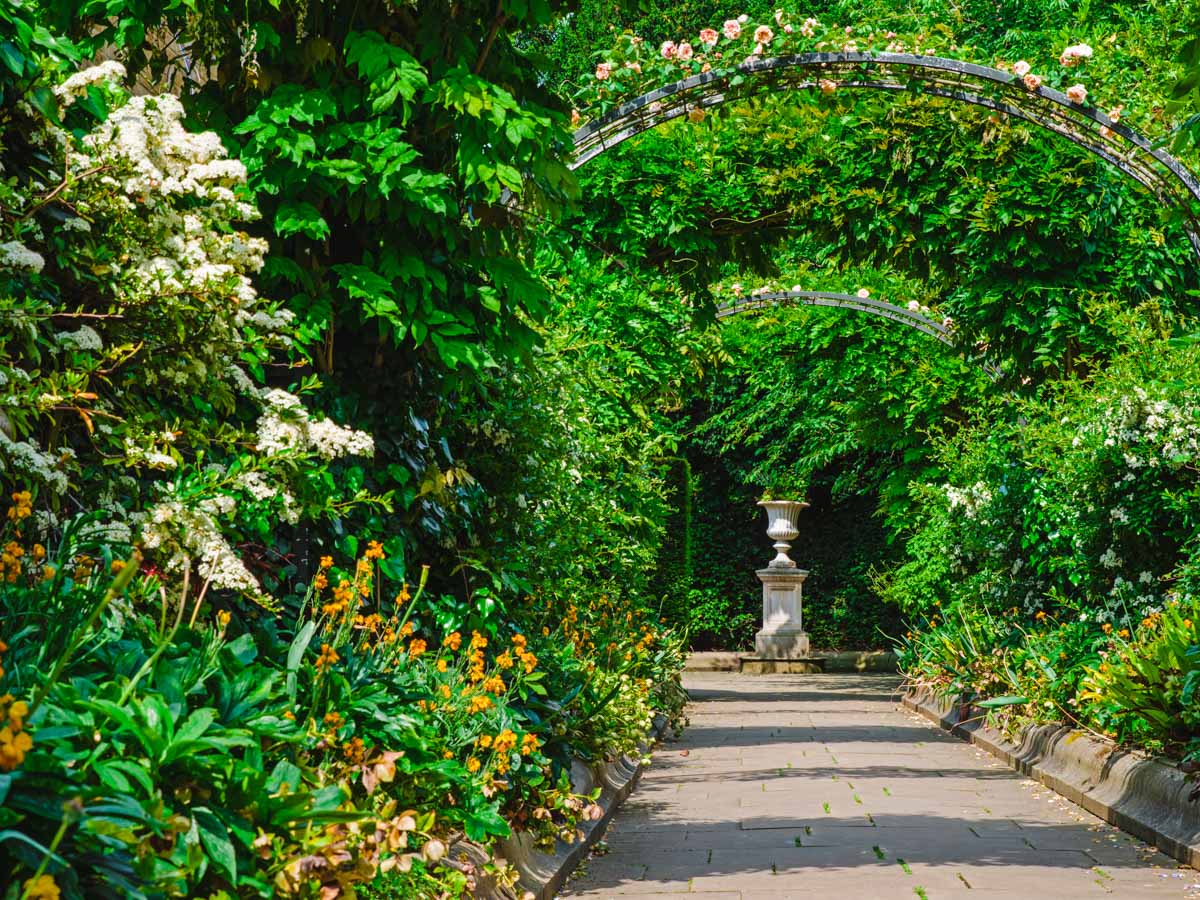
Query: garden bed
(1137,793)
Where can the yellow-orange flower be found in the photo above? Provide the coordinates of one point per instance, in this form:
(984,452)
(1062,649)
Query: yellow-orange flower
(404,596)
(472,764)
(416,647)
(43,887)
(479,703)
(529,744)
(327,658)
(452,641)
(374,550)
(223,618)
(505,741)
(442,665)
(13,747)
(407,629)
(326,562)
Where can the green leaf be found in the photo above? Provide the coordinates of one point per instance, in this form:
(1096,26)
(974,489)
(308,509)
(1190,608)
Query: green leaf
(215,838)
(300,218)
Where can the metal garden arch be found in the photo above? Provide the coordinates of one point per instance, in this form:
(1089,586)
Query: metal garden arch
(1166,177)
(910,318)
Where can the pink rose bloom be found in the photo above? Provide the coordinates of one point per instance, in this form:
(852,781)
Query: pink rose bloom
(809,28)
(1032,82)
(706,68)
(1105,131)
(732,29)
(787,29)
(603,71)
(695,115)
(634,66)
(779,17)
(667,50)
(849,29)
(743,19)
(1074,53)
(708,37)
(1021,68)
(1115,113)
(1077,93)
(890,35)
(827,86)
(684,51)
(763,34)
(863,294)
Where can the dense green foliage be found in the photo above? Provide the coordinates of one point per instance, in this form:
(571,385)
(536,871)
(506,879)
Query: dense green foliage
(363,466)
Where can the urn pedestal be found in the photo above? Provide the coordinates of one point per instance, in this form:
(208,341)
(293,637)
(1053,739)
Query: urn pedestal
(782,635)
(782,644)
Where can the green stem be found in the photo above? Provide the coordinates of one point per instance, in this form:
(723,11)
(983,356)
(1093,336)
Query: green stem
(118,585)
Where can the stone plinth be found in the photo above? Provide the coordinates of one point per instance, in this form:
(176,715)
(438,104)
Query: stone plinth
(783,635)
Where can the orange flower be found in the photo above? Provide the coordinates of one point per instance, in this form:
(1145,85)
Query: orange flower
(320,582)
(374,550)
(1106,628)
(479,703)
(416,648)
(505,660)
(404,596)
(505,741)
(529,744)
(1123,633)
(407,629)
(478,641)
(453,640)
(223,618)
(442,665)
(472,764)
(43,887)
(327,658)
(326,562)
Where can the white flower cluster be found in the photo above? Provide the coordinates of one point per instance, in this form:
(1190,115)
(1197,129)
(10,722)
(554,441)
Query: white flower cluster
(969,499)
(41,467)
(77,84)
(285,425)
(15,255)
(1150,431)
(185,534)
(84,338)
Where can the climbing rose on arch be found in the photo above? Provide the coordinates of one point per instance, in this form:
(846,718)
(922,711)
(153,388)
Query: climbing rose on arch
(668,50)
(709,37)
(1077,93)
(603,71)
(732,29)
(763,34)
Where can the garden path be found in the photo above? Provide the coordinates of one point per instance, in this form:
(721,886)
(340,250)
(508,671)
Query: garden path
(821,786)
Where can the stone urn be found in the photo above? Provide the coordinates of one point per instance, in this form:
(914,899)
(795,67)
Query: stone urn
(781,527)
(782,636)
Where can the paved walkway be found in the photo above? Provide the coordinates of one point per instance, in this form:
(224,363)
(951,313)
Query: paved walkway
(823,787)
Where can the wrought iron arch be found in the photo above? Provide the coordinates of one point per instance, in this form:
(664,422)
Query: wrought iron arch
(1166,177)
(908,317)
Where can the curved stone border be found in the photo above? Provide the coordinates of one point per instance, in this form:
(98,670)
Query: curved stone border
(1143,796)
(541,873)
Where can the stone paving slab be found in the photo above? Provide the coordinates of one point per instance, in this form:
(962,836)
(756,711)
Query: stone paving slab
(814,786)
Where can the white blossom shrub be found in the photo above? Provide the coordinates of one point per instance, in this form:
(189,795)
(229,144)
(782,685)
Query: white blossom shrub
(136,346)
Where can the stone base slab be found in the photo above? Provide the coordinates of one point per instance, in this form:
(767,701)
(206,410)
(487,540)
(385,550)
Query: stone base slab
(782,644)
(1138,794)
(761,665)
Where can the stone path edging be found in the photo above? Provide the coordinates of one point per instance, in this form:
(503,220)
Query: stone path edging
(542,874)
(1133,792)
(839,661)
